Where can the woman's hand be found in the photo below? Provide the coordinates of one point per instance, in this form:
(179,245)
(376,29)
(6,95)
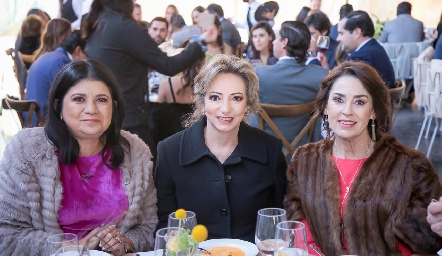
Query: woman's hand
(209,34)
(109,238)
(434,216)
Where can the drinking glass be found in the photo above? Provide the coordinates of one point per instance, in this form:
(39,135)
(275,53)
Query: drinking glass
(57,241)
(323,43)
(266,229)
(188,223)
(73,250)
(291,239)
(166,242)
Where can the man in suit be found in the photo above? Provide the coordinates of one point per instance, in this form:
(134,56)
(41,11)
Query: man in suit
(230,33)
(356,32)
(290,81)
(404,28)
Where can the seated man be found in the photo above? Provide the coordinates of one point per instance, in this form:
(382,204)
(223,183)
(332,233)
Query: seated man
(290,80)
(404,28)
(356,32)
(45,68)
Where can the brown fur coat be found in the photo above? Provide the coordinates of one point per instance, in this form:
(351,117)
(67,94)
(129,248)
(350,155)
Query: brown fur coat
(388,200)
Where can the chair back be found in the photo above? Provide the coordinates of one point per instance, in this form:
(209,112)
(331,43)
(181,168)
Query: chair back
(30,106)
(434,91)
(421,65)
(20,71)
(267,111)
(396,97)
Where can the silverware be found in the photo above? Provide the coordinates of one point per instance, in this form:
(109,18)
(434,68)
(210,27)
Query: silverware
(204,250)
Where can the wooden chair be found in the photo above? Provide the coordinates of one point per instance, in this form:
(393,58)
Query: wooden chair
(20,71)
(20,106)
(396,98)
(267,111)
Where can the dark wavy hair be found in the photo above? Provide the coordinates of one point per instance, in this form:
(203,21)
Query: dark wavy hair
(191,72)
(58,132)
(56,31)
(298,37)
(319,21)
(264,25)
(371,81)
(124,7)
(32,26)
(360,19)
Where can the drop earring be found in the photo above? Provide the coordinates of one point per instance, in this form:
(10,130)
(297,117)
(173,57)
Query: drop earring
(373,130)
(61,117)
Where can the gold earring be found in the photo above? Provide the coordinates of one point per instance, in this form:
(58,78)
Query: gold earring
(373,130)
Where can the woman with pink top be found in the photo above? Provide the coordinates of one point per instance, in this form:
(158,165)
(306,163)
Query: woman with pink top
(80,173)
(361,191)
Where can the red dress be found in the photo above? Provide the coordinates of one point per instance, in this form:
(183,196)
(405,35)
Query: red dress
(347,168)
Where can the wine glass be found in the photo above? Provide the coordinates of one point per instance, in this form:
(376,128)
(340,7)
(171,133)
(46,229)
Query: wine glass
(188,223)
(323,43)
(73,250)
(266,227)
(291,239)
(57,241)
(168,241)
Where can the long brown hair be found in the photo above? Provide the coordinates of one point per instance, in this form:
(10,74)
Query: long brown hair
(56,31)
(190,73)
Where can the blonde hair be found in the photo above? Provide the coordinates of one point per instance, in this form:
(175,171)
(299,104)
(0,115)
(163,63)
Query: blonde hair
(224,64)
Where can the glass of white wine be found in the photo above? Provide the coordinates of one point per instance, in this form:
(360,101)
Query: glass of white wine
(291,239)
(266,229)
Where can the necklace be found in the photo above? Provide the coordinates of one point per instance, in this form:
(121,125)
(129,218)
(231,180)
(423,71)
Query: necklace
(347,188)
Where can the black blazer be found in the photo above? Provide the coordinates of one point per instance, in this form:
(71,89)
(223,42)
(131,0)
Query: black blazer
(126,48)
(225,197)
(374,54)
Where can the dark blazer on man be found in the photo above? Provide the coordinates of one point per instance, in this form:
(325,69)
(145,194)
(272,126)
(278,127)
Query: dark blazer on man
(374,54)
(403,29)
(230,34)
(225,196)
(289,82)
(126,48)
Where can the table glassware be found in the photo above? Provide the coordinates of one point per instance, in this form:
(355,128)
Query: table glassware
(291,239)
(322,43)
(188,223)
(73,250)
(57,241)
(174,241)
(266,229)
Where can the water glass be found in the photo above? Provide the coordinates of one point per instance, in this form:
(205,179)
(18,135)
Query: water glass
(291,239)
(266,229)
(57,241)
(188,223)
(165,240)
(73,250)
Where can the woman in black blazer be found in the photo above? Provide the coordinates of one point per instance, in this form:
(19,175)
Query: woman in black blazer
(221,168)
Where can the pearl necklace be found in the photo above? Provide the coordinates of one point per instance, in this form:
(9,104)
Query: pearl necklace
(347,188)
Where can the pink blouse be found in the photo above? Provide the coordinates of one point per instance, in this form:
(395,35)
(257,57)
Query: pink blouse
(93,195)
(347,168)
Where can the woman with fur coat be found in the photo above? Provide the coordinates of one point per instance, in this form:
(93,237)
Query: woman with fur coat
(361,191)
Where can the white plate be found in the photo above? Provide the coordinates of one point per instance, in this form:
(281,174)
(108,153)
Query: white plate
(248,248)
(91,252)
